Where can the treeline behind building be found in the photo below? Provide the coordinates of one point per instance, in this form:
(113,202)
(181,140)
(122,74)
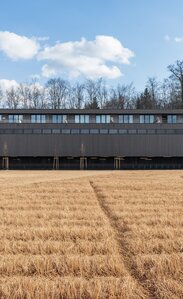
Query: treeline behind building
(95,94)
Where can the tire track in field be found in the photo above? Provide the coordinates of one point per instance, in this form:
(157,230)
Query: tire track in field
(118,234)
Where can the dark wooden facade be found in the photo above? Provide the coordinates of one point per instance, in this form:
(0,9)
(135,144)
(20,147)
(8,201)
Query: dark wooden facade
(102,139)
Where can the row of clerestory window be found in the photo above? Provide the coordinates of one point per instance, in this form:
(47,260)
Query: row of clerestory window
(85,119)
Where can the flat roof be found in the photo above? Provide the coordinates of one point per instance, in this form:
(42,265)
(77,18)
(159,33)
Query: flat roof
(90,111)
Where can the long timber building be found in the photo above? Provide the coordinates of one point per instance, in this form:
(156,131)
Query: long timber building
(91,139)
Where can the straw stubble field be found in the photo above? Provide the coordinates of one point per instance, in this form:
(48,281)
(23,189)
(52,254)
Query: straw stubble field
(91,235)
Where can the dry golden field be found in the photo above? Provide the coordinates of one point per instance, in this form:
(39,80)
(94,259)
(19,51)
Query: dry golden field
(87,234)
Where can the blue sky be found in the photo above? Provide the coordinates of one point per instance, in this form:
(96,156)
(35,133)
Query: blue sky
(123,41)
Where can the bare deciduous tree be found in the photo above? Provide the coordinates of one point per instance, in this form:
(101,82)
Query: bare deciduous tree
(12,98)
(58,90)
(25,95)
(177,75)
(1,96)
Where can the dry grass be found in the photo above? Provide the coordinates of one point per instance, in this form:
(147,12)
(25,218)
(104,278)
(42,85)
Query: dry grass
(147,208)
(91,235)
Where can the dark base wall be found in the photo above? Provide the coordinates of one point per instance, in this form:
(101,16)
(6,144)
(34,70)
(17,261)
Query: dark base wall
(95,163)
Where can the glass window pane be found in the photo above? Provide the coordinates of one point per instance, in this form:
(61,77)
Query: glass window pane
(43,118)
(33,118)
(151,119)
(46,131)
(103,119)
(98,119)
(126,119)
(141,131)
(77,119)
(174,119)
(66,131)
(74,131)
(37,131)
(146,118)
(54,119)
(94,131)
(132,131)
(27,131)
(130,119)
(18,131)
(56,131)
(121,119)
(82,119)
(142,119)
(122,131)
(84,131)
(64,118)
(169,119)
(86,119)
(103,131)
(59,119)
(108,118)
(10,118)
(113,131)
(151,131)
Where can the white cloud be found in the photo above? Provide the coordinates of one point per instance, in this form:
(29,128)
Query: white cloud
(18,47)
(178,39)
(97,58)
(7,84)
(48,71)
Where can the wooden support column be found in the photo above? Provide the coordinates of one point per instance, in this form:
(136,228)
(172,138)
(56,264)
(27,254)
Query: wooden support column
(56,163)
(83,163)
(5,163)
(117,163)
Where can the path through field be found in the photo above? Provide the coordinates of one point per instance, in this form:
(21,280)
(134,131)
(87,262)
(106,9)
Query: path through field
(91,234)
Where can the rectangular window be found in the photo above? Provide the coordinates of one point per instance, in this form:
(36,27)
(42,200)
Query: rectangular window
(27,131)
(141,131)
(122,131)
(84,131)
(38,118)
(15,118)
(37,131)
(74,131)
(4,118)
(103,131)
(82,119)
(18,131)
(66,131)
(172,119)
(133,131)
(147,119)
(55,131)
(161,131)
(57,119)
(94,131)
(103,119)
(125,119)
(113,131)
(152,131)
(77,121)
(46,131)
(98,119)
(8,131)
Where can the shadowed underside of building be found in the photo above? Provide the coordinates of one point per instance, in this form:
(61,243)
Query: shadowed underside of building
(91,139)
